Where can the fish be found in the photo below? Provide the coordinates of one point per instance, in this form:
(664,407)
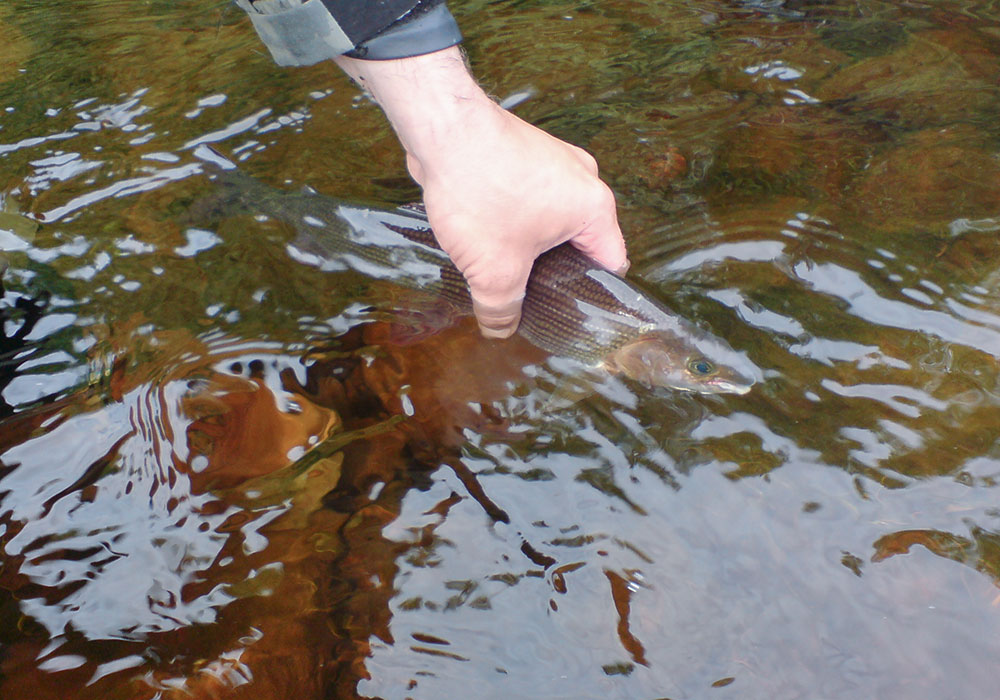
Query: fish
(572,308)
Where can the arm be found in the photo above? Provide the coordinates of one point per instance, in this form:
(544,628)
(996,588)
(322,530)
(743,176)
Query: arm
(498,191)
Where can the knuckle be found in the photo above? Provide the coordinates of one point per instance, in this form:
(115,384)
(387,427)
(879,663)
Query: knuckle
(588,161)
(605,197)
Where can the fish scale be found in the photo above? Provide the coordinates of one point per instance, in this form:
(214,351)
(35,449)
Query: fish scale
(572,306)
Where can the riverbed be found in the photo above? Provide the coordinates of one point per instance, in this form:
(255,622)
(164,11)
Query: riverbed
(224,473)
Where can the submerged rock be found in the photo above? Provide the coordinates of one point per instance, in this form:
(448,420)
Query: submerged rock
(864,38)
(920,85)
(930,179)
(793,150)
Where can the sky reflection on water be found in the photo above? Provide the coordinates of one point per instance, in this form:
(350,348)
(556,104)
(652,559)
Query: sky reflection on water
(226,473)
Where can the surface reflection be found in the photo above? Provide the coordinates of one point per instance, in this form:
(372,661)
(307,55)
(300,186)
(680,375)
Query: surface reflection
(176,501)
(225,473)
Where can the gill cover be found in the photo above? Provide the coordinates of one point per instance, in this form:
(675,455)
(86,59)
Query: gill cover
(659,361)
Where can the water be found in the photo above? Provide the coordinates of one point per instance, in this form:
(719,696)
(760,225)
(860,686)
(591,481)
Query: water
(226,474)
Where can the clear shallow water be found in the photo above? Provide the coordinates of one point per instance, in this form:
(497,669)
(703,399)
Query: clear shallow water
(222,474)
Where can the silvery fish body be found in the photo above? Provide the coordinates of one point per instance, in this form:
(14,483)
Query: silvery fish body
(572,308)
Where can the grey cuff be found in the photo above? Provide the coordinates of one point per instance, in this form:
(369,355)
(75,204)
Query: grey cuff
(300,35)
(420,32)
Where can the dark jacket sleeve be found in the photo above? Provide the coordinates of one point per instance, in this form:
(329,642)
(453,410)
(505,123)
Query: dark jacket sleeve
(303,32)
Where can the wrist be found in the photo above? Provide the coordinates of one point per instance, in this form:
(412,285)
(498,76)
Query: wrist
(430,100)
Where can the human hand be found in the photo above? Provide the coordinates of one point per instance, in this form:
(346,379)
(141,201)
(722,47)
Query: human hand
(498,191)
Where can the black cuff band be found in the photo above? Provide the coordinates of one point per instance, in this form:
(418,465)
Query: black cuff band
(420,32)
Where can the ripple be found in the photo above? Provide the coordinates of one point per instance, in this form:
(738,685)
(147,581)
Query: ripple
(179,517)
(866,303)
(844,321)
(137,526)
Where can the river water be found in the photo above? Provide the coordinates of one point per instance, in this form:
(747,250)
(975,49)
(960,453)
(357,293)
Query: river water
(227,474)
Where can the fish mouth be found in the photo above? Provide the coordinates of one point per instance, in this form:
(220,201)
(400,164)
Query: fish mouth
(725,386)
(713,388)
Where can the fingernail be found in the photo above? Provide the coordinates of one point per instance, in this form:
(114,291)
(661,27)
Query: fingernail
(623,269)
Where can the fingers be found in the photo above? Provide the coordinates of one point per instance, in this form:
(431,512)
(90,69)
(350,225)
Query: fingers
(498,275)
(602,240)
(498,320)
(497,284)
(498,197)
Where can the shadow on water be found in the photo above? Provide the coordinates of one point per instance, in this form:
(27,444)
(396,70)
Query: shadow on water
(227,474)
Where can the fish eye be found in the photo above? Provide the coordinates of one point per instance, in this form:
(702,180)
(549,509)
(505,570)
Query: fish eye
(701,367)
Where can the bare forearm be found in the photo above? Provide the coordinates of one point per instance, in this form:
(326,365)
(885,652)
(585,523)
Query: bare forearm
(426,98)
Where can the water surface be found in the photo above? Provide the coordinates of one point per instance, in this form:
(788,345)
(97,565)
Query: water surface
(227,474)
